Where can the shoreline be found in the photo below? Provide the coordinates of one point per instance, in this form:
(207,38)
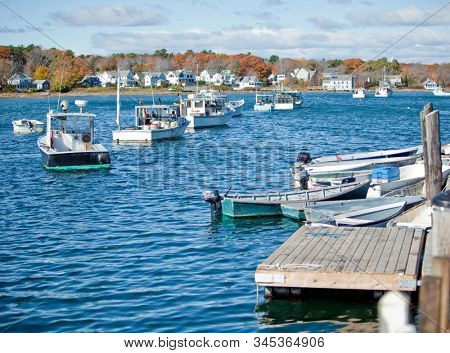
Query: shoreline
(147,92)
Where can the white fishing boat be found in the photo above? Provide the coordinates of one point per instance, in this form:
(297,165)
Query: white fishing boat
(409,175)
(206,112)
(69,143)
(383,92)
(263,102)
(283,101)
(439,92)
(26,126)
(359,93)
(152,122)
(236,106)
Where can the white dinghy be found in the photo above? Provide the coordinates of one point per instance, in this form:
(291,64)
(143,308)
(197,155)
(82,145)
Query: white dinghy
(26,126)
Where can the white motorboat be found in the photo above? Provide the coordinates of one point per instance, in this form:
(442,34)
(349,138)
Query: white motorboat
(152,122)
(263,102)
(439,92)
(359,93)
(287,100)
(409,175)
(26,126)
(383,92)
(69,143)
(206,112)
(237,106)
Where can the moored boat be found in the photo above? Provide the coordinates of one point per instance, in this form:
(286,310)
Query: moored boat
(257,205)
(439,92)
(27,126)
(236,106)
(206,112)
(359,93)
(383,92)
(69,143)
(263,102)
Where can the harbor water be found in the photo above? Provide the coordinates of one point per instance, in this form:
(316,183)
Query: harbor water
(134,249)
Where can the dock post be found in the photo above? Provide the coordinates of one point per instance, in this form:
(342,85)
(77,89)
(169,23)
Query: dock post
(431,140)
(393,313)
(435,289)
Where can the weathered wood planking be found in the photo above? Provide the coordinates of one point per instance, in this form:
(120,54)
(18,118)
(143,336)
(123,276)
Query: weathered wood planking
(345,258)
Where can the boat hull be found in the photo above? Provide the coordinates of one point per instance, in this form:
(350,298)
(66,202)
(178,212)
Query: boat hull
(283,106)
(196,122)
(76,160)
(237,208)
(263,107)
(146,136)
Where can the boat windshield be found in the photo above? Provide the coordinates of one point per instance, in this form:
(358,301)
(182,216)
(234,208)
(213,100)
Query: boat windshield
(73,124)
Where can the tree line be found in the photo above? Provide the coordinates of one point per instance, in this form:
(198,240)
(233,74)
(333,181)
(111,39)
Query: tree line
(65,70)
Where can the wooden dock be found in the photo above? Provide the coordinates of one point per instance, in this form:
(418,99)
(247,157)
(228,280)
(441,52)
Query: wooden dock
(364,258)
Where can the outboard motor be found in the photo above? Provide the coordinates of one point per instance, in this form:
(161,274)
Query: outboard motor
(348,180)
(302,176)
(304,157)
(215,201)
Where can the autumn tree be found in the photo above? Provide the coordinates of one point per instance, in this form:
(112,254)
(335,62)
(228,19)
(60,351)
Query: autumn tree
(351,65)
(66,71)
(41,73)
(254,65)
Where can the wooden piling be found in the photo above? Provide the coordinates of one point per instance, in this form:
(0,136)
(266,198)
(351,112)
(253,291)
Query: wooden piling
(431,140)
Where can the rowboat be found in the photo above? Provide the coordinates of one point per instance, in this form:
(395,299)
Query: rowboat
(403,152)
(417,217)
(378,215)
(363,164)
(331,209)
(26,126)
(409,175)
(257,205)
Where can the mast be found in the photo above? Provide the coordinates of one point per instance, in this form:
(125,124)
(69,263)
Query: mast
(118,99)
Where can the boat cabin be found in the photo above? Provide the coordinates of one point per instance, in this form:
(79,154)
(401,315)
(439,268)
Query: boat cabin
(147,114)
(70,131)
(264,98)
(203,106)
(283,98)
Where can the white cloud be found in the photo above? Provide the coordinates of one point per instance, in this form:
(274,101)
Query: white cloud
(126,16)
(409,16)
(425,44)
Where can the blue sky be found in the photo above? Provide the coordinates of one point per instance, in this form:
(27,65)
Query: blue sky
(289,28)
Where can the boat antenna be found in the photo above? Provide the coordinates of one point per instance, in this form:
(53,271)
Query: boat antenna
(196,80)
(60,85)
(118,98)
(226,194)
(153,96)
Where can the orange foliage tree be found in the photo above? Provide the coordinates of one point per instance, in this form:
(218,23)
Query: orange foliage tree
(66,71)
(41,73)
(352,65)
(251,64)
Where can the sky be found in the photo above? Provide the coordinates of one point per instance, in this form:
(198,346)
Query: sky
(288,28)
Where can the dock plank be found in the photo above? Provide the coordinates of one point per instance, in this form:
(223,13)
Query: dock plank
(370,249)
(353,262)
(379,248)
(323,258)
(413,263)
(386,254)
(340,255)
(396,251)
(346,258)
(404,252)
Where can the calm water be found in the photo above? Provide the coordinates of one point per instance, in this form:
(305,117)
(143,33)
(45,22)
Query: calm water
(135,249)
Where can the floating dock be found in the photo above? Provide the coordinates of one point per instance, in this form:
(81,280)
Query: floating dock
(364,258)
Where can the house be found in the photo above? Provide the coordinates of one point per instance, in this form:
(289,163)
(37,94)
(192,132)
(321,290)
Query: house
(303,74)
(181,77)
(394,80)
(276,79)
(329,72)
(20,81)
(41,85)
(204,76)
(248,82)
(90,81)
(152,79)
(430,84)
(109,78)
(228,77)
(338,83)
(217,79)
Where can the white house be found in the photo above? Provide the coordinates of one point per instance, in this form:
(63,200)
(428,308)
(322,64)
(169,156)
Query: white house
(303,74)
(430,84)
(248,82)
(109,78)
(394,80)
(204,76)
(329,72)
(276,79)
(181,77)
(338,83)
(155,79)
